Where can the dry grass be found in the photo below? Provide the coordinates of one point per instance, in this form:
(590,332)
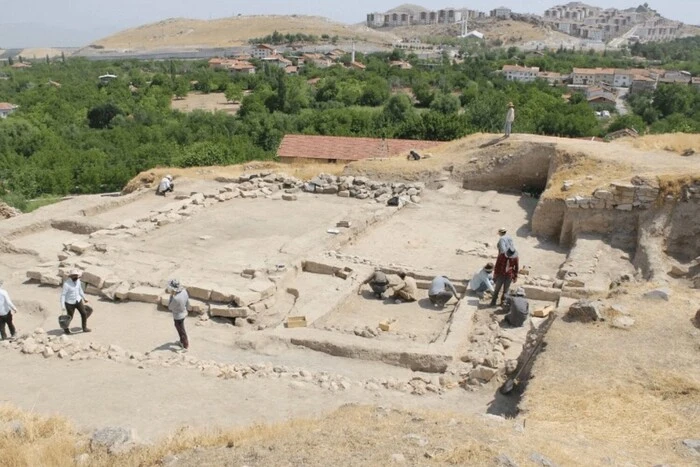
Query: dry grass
(40,53)
(673,184)
(234,31)
(586,173)
(208,102)
(672,142)
(31,440)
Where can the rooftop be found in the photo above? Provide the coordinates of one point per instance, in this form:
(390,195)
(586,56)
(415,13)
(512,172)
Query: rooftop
(346,148)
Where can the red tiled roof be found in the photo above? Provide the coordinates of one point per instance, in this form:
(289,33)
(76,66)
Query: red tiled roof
(346,148)
(7,106)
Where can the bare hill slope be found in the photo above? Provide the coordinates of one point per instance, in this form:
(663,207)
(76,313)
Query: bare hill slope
(233,31)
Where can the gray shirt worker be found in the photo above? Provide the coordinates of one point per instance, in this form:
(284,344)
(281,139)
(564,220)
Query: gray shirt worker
(178,304)
(441,284)
(519,311)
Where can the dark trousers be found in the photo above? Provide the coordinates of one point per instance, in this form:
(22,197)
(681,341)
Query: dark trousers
(501,281)
(180,326)
(7,319)
(440,299)
(379,287)
(80,306)
(158,192)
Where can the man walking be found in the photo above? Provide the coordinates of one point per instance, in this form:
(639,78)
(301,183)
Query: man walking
(505,273)
(378,282)
(178,304)
(73,298)
(510,118)
(6,310)
(441,291)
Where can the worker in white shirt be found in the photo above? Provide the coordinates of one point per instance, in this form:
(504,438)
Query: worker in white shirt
(73,298)
(6,310)
(166,185)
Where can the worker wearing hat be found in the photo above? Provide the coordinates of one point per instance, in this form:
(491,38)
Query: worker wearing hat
(510,118)
(482,281)
(73,298)
(518,309)
(166,185)
(378,282)
(505,243)
(178,304)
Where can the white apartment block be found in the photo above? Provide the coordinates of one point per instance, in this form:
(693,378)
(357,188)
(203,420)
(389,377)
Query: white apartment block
(520,73)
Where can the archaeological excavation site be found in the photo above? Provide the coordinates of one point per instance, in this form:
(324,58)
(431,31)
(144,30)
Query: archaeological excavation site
(605,370)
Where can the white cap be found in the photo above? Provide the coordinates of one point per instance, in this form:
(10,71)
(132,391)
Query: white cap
(169,177)
(75,272)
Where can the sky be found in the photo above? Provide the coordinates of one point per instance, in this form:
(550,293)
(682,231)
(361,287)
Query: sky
(77,22)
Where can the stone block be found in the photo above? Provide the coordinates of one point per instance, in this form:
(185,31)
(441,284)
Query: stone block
(164,300)
(35,274)
(585,311)
(197,198)
(258,307)
(121,291)
(249,194)
(483,373)
(246,298)
(315,267)
(80,247)
(95,276)
(223,311)
(344,193)
(603,194)
(145,294)
(288,197)
(92,290)
(264,287)
(197,307)
(199,292)
(222,295)
(624,207)
(658,294)
(548,294)
(51,278)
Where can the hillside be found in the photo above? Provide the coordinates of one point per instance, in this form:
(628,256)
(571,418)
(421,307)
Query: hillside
(233,31)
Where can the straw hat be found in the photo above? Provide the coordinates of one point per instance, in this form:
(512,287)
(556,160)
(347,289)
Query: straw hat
(510,104)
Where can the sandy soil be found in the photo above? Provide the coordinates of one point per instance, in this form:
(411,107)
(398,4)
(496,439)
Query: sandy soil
(209,102)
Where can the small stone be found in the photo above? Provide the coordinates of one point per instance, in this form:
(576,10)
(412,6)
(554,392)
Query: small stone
(622,322)
(585,311)
(398,458)
(504,461)
(62,353)
(658,294)
(693,445)
(539,459)
(48,352)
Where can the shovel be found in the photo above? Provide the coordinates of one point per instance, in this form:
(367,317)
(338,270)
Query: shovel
(510,384)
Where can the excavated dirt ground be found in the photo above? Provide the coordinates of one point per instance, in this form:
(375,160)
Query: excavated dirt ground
(591,387)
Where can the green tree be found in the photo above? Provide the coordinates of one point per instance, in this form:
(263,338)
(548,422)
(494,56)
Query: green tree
(398,109)
(445,103)
(233,93)
(182,88)
(101,116)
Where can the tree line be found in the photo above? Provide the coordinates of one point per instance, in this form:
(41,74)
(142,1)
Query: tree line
(75,134)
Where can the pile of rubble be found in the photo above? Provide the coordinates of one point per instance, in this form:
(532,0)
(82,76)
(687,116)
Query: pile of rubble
(364,188)
(72,349)
(7,211)
(639,193)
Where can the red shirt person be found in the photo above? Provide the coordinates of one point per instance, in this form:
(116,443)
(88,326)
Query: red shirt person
(504,274)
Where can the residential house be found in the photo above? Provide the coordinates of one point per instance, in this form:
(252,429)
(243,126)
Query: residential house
(262,51)
(599,96)
(501,12)
(241,67)
(345,149)
(622,78)
(401,64)
(520,73)
(6,109)
(641,83)
(676,77)
(335,54)
(593,76)
(695,81)
(552,77)
(278,61)
(318,60)
(292,70)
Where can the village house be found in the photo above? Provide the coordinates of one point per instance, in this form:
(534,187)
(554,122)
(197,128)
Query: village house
(233,66)
(6,109)
(501,12)
(278,61)
(641,83)
(552,78)
(262,51)
(320,61)
(520,73)
(308,148)
(595,95)
(592,76)
(401,64)
(695,82)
